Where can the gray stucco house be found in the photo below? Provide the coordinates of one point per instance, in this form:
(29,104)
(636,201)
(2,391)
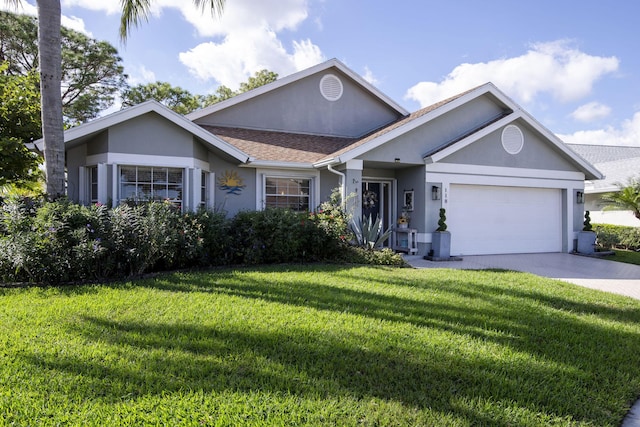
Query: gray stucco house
(508,184)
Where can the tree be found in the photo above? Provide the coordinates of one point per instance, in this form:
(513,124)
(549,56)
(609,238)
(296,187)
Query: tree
(179,100)
(91,70)
(182,101)
(19,123)
(50,58)
(260,78)
(628,198)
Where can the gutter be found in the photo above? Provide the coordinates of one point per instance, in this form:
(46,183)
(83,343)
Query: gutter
(342,182)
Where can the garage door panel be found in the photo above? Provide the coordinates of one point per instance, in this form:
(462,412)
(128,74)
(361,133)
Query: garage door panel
(495,220)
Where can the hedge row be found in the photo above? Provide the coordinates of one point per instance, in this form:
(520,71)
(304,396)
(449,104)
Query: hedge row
(617,236)
(54,242)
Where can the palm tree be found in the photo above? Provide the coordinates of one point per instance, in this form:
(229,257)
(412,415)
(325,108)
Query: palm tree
(628,198)
(50,64)
(50,58)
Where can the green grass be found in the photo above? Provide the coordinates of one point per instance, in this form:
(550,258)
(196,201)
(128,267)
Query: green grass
(319,345)
(629,257)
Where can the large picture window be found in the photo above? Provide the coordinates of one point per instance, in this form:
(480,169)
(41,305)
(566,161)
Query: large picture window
(290,193)
(143,183)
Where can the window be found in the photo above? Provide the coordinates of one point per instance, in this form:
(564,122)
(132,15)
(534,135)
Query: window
(93,184)
(204,193)
(291,193)
(141,183)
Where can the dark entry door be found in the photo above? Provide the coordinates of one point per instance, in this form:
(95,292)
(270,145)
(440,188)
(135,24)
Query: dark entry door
(375,201)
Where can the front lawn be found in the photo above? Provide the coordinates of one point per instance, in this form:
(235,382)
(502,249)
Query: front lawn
(629,257)
(319,345)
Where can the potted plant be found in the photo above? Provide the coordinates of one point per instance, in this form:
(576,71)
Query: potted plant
(586,237)
(441,238)
(403,221)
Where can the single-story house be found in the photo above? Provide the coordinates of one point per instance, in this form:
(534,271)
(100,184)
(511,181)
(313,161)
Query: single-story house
(619,164)
(507,183)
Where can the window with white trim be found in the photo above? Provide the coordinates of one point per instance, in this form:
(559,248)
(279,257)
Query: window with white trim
(144,183)
(93,184)
(204,189)
(287,192)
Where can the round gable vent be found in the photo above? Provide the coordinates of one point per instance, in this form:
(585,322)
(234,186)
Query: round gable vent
(512,139)
(331,87)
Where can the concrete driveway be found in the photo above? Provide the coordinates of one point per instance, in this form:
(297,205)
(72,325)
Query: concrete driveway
(590,272)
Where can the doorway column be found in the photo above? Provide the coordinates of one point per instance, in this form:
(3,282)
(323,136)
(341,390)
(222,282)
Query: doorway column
(353,182)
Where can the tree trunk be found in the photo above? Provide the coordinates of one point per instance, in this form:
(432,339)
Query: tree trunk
(50,57)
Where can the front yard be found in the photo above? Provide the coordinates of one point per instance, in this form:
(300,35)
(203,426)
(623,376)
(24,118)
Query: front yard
(319,345)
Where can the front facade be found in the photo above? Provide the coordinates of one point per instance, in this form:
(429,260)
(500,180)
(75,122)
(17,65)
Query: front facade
(508,185)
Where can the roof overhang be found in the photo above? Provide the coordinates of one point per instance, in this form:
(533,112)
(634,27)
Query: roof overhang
(332,63)
(98,125)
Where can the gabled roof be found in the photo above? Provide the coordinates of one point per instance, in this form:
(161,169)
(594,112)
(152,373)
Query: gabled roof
(618,163)
(295,77)
(102,123)
(429,113)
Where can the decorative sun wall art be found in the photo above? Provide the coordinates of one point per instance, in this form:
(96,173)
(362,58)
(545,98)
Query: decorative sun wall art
(231,182)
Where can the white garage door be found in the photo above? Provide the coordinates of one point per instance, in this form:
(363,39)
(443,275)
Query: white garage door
(501,220)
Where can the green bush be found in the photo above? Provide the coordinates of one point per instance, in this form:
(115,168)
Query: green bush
(617,236)
(360,255)
(54,242)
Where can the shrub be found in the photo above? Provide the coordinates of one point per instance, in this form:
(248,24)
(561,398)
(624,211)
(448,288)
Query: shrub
(385,256)
(442,225)
(617,236)
(53,242)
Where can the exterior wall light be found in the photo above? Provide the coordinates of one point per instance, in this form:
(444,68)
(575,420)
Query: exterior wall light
(435,192)
(580,198)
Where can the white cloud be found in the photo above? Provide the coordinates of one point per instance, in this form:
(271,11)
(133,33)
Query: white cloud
(306,54)
(246,37)
(627,135)
(240,55)
(75,23)
(368,76)
(591,111)
(555,68)
(25,8)
(250,41)
(141,75)
(22,8)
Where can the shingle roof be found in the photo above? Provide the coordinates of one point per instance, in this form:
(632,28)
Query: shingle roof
(604,153)
(280,146)
(293,147)
(617,163)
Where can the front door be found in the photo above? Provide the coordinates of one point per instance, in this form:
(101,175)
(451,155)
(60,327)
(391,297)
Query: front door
(376,197)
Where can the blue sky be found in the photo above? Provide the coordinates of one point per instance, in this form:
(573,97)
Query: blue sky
(574,65)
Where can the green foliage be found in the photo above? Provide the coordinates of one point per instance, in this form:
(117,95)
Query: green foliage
(179,100)
(369,234)
(92,73)
(319,346)
(617,236)
(53,242)
(360,255)
(182,101)
(587,222)
(627,198)
(260,78)
(442,225)
(19,124)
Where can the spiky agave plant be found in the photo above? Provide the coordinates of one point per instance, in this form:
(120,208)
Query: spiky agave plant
(369,234)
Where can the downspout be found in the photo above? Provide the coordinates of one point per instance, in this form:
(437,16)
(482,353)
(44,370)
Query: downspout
(342,183)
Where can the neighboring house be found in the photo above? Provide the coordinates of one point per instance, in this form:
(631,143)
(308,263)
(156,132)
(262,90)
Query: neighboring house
(508,184)
(618,164)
